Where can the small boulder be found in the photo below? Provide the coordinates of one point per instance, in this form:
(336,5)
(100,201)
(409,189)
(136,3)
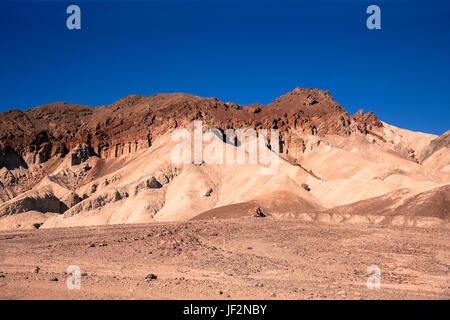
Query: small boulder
(207,192)
(258,213)
(153,183)
(151,277)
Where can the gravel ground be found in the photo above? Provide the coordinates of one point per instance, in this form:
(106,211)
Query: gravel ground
(246,258)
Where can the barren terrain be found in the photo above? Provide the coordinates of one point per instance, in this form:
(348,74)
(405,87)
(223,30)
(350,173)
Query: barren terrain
(243,258)
(98,187)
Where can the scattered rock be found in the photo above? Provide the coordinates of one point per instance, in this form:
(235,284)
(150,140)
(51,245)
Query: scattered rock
(71,199)
(36,270)
(153,183)
(207,193)
(151,277)
(306,187)
(54,279)
(258,213)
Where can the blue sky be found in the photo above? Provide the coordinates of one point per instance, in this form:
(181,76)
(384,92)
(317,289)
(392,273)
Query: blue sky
(241,51)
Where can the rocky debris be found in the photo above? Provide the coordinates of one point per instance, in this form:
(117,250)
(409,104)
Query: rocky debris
(153,183)
(257,213)
(80,154)
(412,155)
(163,178)
(306,187)
(71,199)
(151,277)
(2,274)
(207,192)
(93,189)
(366,122)
(86,167)
(54,279)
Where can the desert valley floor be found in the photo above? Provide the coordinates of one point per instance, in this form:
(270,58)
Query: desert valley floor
(244,258)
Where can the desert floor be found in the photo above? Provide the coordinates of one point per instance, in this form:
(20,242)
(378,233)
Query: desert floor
(246,258)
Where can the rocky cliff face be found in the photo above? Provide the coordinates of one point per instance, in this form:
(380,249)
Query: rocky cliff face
(34,136)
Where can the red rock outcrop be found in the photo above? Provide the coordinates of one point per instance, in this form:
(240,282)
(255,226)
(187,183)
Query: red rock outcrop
(130,124)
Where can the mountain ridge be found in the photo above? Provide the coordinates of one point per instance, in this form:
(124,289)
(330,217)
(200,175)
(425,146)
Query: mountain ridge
(111,163)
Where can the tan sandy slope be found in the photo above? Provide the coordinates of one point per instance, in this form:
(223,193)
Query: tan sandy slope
(384,171)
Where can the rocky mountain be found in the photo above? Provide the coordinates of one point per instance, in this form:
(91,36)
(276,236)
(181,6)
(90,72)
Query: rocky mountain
(65,164)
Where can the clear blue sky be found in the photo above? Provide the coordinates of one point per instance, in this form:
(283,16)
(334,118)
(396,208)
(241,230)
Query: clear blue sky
(241,51)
